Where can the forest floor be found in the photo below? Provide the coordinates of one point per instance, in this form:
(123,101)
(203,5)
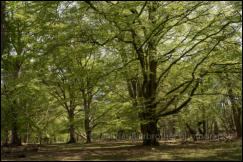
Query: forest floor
(127,150)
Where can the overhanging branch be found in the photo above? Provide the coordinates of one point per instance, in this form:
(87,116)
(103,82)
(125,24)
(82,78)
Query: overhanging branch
(176,110)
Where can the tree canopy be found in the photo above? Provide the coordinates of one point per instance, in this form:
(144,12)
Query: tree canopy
(73,69)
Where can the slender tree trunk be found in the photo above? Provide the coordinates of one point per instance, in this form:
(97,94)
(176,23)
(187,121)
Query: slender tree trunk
(88,134)
(40,137)
(87,129)
(237,122)
(55,139)
(120,133)
(87,105)
(192,132)
(204,130)
(26,136)
(3,6)
(216,129)
(236,113)
(77,138)
(5,142)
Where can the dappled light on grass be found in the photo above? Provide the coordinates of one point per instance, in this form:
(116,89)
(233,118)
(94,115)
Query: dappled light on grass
(129,151)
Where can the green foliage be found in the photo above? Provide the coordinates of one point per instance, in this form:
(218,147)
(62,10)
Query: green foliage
(81,57)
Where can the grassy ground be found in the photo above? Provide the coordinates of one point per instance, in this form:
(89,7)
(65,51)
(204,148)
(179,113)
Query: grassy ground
(125,150)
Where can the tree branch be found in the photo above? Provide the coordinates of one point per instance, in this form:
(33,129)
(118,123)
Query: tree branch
(176,110)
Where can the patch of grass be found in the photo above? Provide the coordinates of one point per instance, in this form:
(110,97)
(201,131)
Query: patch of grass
(125,150)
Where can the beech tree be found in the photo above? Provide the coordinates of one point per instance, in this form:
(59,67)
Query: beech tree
(120,66)
(162,37)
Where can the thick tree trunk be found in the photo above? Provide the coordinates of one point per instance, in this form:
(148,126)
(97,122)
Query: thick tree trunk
(147,91)
(16,140)
(149,124)
(71,134)
(149,131)
(71,127)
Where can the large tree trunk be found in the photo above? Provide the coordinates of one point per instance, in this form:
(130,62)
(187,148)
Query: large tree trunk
(149,124)
(15,137)
(146,91)
(149,131)
(71,127)
(16,140)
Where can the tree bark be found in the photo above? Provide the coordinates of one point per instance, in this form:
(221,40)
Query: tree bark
(192,132)
(147,91)
(88,134)
(87,104)
(236,113)
(216,128)
(87,126)
(87,129)
(204,130)
(149,131)
(120,134)
(16,140)
(3,6)
(5,142)
(71,127)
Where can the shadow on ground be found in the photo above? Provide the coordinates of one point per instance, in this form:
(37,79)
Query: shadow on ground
(125,150)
